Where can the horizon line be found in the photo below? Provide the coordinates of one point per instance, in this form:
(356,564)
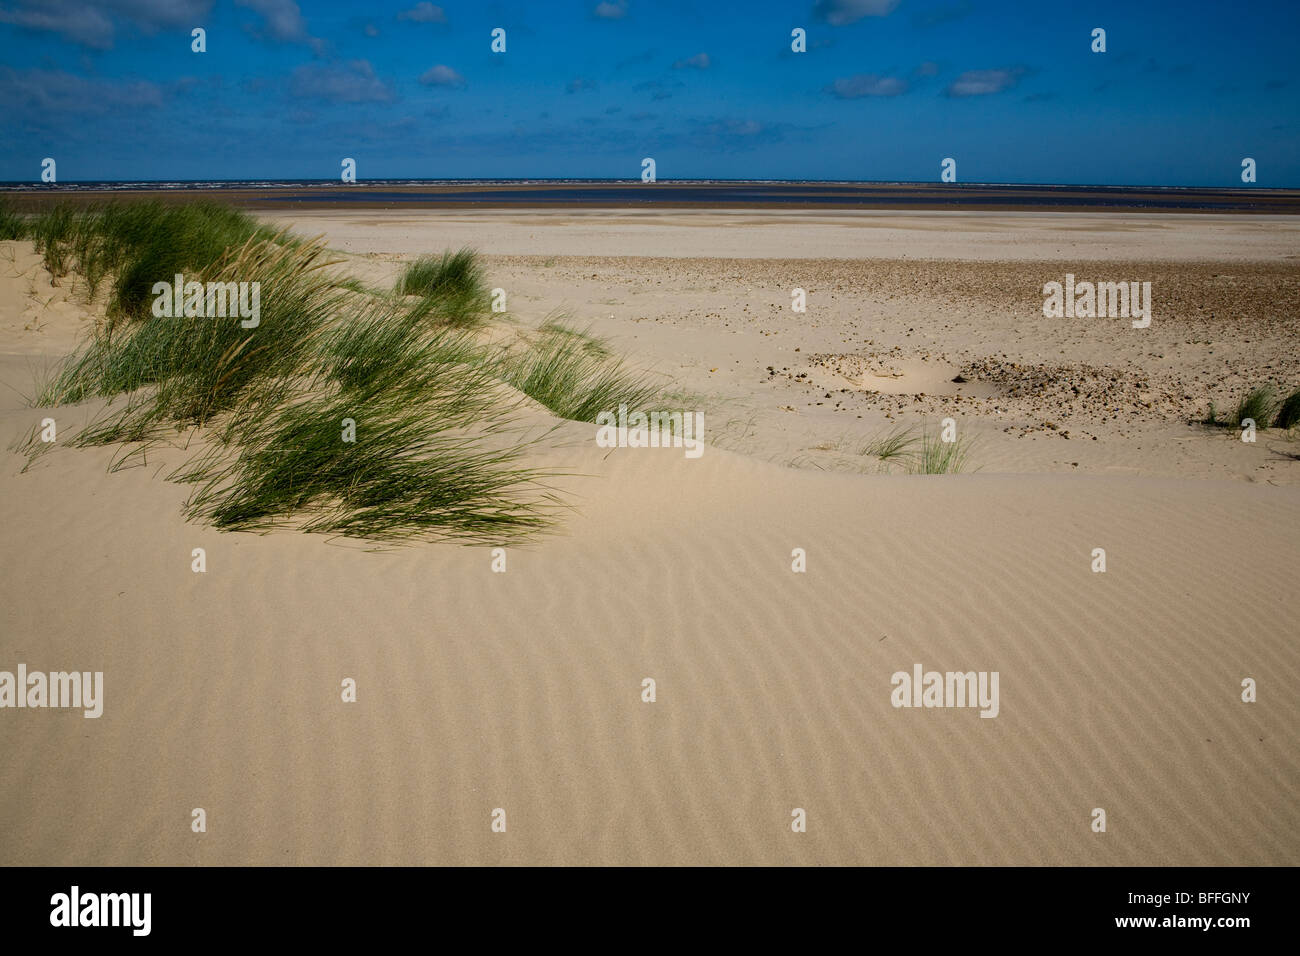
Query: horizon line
(26,183)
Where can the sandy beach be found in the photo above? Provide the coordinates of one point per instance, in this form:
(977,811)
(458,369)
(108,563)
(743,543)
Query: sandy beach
(523,690)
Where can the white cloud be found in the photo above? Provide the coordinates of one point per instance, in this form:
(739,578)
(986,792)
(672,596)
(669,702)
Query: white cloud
(351,82)
(424,12)
(983,82)
(700,61)
(867,84)
(839,12)
(283,21)
(56,91)
(94,25)
(442,75)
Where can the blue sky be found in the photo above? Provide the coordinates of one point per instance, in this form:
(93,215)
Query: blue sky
(586,88)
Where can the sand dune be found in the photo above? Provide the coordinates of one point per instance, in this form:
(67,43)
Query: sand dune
(522,690)
(479,690)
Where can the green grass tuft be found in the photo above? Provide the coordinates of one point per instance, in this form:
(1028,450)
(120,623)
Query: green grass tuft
(199,366)
(433,455)
(1257,405)
(575,375)
(1288,413)
(899,443)
(12,225)
(937,457)
(451,288)
(139,243)
(407,475)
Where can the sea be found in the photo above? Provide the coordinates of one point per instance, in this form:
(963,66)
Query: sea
(708,194)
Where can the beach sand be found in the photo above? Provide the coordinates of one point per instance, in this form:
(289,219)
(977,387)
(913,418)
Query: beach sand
(523,691)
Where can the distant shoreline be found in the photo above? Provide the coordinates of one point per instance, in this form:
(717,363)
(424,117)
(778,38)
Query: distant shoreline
(566,194)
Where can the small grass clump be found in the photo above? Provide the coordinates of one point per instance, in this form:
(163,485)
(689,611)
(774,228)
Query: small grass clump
(938,457)
(406,474)
(899,443)
(1288,413)
(52,232)
(575,375)
(918,454)
(1257,405)
(12,225)
(452,287)
(1261,406)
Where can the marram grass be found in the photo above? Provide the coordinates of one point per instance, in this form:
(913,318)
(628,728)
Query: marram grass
(139,243)
(405,475)
(938,457)
(199,366)
(451,288)
(1257,405)
(899,443)
(12,225)
(575,375)
(1261,406)
(1288,413)
(339,413)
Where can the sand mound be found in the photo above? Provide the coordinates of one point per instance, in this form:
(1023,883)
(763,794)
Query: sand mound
(522,690)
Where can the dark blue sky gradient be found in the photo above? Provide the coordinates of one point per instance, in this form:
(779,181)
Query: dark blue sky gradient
(886,90)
